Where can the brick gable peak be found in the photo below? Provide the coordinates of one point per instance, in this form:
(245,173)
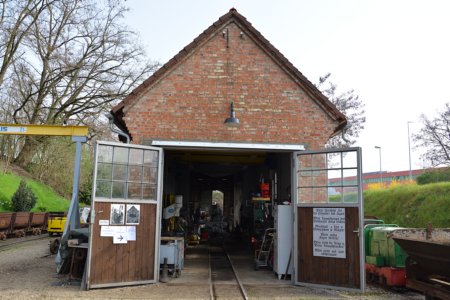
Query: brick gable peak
(232,15)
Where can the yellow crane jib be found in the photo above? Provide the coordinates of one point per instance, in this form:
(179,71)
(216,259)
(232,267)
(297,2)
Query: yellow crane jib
(79,135)
(31,129)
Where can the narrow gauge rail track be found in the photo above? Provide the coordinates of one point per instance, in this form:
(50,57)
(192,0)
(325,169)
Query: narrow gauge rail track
(223,278)
(12,242)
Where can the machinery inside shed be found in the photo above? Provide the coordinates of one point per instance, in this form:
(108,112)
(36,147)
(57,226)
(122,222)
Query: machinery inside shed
(220,196)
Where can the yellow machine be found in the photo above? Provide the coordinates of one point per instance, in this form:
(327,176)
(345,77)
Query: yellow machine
(57,220)
(56,223)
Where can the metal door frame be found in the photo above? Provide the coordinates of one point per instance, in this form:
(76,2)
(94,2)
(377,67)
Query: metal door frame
(360,206)
(158,203)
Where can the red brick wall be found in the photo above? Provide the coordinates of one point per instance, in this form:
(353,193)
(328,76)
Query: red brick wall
(192,101)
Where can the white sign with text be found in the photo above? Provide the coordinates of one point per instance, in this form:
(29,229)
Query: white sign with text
(329,232)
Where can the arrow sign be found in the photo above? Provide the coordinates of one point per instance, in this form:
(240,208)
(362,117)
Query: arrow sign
(119,238)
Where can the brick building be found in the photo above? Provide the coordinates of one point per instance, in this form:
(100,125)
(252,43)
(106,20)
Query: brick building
(182,108)
(189,97)
(229,113)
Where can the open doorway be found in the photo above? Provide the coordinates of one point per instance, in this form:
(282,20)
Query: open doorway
(229,198)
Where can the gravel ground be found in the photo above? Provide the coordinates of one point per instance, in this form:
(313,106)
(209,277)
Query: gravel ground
(27,271)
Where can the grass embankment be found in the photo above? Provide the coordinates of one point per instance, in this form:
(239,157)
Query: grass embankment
(411,205)
(47,199)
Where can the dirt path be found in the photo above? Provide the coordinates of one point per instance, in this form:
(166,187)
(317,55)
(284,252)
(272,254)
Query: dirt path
(27,271)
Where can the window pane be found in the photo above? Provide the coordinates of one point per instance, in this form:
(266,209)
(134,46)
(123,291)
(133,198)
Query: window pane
(150,175)
(334,160)
(305,179)
(320,178)
(334,177)
(319,161)
(134,190)
(118,190)
(350,177)
(136,156)
(320,195)
(350,159)
(135,173)
(103,189)
(335,195)
(120,172)
(104,171)
(350,194)
(151,157)
(120,155)
(105,153)
(305,195)
(149,192)
(305,162)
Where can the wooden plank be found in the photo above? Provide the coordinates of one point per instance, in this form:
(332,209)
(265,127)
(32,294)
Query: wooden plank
(140,235)
(144,245)
(152,243)
(429,289)
(130,275)
(343,272)
(149,243)
(117,259)
(131,262)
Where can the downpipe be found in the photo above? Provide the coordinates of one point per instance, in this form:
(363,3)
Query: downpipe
(116,130)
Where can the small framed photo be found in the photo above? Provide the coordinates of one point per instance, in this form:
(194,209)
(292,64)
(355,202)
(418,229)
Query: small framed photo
(117,214)
(133,214)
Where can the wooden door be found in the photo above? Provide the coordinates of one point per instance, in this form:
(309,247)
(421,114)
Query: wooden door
(328,223)
(125,220)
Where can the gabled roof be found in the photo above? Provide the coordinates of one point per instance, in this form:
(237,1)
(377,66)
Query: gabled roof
(233,15)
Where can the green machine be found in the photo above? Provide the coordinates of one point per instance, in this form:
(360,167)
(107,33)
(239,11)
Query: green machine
(381,249)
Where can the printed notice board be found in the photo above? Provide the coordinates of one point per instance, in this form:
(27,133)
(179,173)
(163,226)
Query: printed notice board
(329,232)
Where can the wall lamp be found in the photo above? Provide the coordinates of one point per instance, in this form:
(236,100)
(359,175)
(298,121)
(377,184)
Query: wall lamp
(232,120)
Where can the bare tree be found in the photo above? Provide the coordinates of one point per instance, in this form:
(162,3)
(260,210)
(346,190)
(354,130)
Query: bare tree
(16,20)
(77,59)
(350,105)
(434,137)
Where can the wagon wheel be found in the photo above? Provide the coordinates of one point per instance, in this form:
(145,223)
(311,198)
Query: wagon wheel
(54,246)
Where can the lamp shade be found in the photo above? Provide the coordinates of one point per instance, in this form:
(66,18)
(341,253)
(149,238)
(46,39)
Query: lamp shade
(232,120)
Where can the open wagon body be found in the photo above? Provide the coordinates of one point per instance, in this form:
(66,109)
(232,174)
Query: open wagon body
(428,263)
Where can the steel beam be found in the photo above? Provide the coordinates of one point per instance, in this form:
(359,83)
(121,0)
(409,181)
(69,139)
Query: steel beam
(31,129)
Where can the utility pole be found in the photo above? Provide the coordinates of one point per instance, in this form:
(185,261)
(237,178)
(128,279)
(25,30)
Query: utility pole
(409,151)
(381,175)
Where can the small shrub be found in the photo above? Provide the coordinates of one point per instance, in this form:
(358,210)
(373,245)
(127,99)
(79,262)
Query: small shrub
(376,186)
(24,198)
(6,204)
(433,176)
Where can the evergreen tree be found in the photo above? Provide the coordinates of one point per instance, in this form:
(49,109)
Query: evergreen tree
(24,198)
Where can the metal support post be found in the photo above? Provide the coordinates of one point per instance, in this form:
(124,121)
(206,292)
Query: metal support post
(73,216)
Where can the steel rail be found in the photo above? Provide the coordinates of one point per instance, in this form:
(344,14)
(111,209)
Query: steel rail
(7,243)
(241,286)
(213,295)
(211,287)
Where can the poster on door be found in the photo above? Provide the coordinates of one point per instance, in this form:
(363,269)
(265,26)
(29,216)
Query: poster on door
(329,232)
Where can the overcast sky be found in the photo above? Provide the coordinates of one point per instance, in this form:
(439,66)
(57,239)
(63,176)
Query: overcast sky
(394,54)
